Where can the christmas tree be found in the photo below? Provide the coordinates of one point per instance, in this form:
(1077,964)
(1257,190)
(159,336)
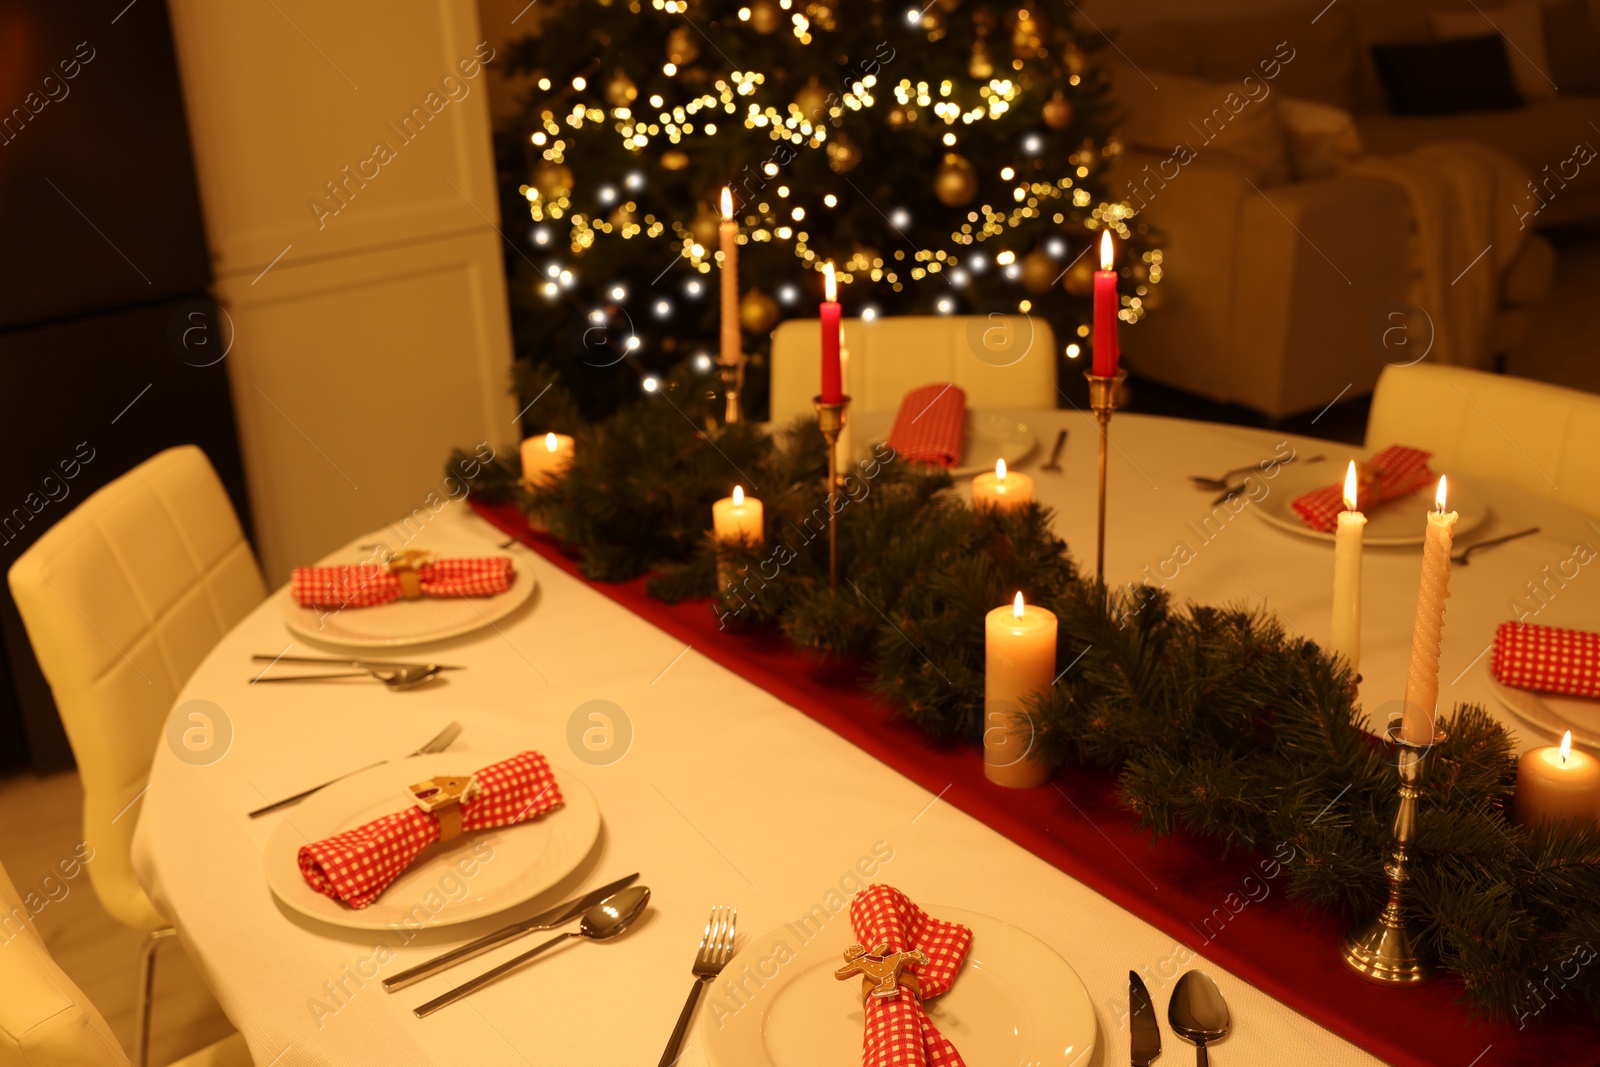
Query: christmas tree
(948,158)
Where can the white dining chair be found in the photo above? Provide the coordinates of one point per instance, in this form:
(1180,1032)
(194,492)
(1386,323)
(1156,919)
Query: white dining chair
(1004,360)
(46,1021)
(122,599)
(1543,437)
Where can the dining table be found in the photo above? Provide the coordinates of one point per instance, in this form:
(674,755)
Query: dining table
(726,795)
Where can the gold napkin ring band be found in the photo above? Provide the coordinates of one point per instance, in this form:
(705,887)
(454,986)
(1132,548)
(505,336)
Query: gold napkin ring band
(442,797)
(403,565)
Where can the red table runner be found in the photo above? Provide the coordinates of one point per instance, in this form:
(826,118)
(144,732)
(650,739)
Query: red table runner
(1232,910)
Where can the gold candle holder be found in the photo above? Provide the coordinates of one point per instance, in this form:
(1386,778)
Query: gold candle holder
(1103,400)
(1388,950)
(732,374)
(831,419)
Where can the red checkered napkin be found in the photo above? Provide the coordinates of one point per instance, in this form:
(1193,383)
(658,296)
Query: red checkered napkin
(1395,472)
(898,1030)
(1547,658)
(365,585)
(358,865)
(932,425)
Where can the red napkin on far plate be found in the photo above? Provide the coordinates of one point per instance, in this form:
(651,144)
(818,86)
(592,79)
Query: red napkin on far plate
(358,865)
(1394,472)
(898,1031)
(365,585)
(931,426)
(1547,658)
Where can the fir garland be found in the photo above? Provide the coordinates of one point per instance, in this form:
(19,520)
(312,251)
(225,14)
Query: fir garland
(1217,722)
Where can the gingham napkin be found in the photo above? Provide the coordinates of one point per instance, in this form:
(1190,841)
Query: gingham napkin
(931,426)
(898,1031)
(1547,658)
(358,865)
(1394,472)
(365,585)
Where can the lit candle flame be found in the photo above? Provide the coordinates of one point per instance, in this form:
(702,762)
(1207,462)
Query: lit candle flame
(727,203)
(1566,740)
(1016,610)
(738,496)
(1000,471)
(1350,487)
(550,442)
(1438,498)
(1105,250)
(830,284)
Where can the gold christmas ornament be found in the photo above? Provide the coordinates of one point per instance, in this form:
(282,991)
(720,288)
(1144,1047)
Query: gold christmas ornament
(1080,278)
(812,100)
(674,159)
(843,155)
(682,48)
(1073,57)
(955,182)
(622,218)
(765,16)
(1057,111)
(900,117)
(553,180)
(620,90)
(1027,33)
(705,226)
(758,312)
(1039,271)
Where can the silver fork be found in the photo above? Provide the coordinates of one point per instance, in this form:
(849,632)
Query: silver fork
(438,744)
(716,948)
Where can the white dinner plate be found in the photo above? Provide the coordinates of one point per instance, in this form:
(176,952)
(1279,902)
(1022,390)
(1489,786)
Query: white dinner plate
(510,864)
(1401,521)
(1014,1002)
(989,436)
(1551,713)
(407,622)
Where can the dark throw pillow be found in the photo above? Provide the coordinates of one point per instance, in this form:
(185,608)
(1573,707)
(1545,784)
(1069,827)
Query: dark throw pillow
(1444,77)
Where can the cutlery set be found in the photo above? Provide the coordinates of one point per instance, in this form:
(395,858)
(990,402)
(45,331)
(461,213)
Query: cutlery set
(1230,488)
(394,674)
(1196,1013)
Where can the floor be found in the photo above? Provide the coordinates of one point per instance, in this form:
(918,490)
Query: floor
(95,950)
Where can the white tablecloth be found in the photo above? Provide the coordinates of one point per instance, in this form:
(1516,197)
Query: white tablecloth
(730,796)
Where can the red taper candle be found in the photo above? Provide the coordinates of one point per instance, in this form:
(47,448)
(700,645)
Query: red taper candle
(832,373)
(1105,312)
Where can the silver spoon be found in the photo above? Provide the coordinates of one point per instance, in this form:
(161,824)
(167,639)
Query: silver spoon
(1226,481)
(1198,1012)
(1054,466)
(1461,558)
(396,678)
(602,922)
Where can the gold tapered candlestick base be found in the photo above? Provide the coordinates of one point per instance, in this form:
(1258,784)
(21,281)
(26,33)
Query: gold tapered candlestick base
(1103,401)
(831,419)
(1388,950)
(732,375)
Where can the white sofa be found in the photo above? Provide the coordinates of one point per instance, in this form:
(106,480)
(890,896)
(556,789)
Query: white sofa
(1281,289)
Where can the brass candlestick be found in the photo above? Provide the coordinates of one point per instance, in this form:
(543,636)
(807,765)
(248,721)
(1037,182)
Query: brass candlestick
(1388,950)
(831,419)
(732,374)
(1103,399)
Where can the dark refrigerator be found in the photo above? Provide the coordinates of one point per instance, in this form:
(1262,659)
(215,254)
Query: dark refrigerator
(111,348)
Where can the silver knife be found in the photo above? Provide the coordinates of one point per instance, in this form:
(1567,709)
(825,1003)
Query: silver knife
(547,920)
(1144,1031)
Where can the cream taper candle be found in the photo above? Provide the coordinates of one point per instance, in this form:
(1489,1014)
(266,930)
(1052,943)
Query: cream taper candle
(1422,677)
(1019,662)
(1347,577)
(1554,782)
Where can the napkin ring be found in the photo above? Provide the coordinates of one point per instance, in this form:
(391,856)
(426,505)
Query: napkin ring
(882,972)
(403,565)
(442,797)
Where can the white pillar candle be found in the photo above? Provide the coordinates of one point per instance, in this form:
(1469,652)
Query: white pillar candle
(1003,490)
(1347,577)
(1019,662)
(545,459)
(739,518)
(1422,677)
(1554,782)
